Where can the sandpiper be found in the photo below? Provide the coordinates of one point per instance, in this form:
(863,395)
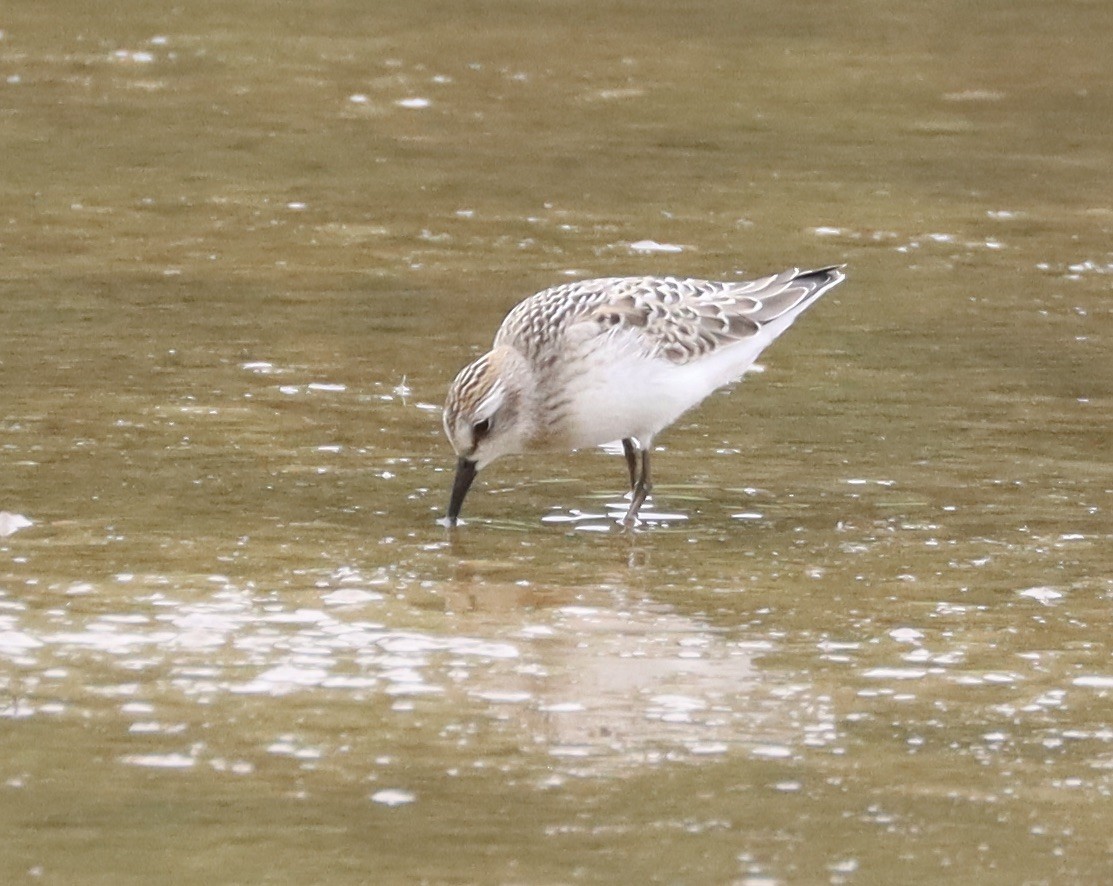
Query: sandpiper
(618,358)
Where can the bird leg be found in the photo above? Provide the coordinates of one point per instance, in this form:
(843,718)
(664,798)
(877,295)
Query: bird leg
(641,490)
(631,460)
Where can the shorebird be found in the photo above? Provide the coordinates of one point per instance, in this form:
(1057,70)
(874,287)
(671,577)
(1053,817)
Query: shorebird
(618,358)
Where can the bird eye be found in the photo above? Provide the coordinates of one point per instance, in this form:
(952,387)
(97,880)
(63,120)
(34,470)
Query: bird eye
(481,429)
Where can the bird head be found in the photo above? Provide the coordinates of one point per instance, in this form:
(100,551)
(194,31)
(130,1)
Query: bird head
(485,417)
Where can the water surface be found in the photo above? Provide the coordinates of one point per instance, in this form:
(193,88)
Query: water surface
(246,247)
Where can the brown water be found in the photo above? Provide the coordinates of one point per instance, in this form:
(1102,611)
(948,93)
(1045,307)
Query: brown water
(244,248)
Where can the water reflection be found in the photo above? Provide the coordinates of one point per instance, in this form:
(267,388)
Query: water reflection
(609,685)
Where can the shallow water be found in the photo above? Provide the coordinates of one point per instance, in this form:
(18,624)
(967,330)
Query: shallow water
(866,640)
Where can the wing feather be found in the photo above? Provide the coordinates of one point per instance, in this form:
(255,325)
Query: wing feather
(677,319)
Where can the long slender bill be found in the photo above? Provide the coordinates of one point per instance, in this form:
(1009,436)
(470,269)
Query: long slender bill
(465,473)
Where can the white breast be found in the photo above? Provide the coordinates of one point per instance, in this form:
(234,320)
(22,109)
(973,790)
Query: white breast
(617,390)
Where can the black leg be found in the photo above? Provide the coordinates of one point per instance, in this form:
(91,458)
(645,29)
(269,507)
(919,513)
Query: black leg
(631,460)
(641,490)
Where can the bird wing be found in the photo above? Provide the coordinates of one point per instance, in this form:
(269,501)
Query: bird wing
(681,320)
(676,319)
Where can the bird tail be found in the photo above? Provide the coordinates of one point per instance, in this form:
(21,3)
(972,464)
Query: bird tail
(797,291)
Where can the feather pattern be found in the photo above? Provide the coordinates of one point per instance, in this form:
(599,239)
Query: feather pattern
(678,319)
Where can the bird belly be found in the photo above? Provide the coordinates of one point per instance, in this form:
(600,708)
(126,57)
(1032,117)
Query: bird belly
(633,394)
(627,398)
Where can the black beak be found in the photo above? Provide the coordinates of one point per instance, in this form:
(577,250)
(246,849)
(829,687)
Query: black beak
(465,473)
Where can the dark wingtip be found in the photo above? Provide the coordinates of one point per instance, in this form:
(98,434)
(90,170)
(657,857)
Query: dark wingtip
(833,272)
